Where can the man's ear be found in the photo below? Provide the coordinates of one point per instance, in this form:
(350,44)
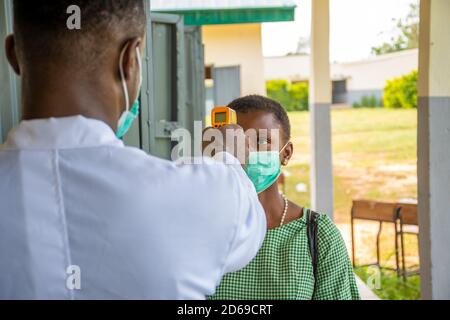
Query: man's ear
(11,54)
(130,62)
(130,66)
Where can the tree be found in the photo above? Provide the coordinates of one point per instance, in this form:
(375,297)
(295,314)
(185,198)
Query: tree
(303,47)
(401,92)
(408,37)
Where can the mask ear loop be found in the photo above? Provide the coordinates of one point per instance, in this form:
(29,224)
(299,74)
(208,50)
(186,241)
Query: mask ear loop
(282,149)
(122,76)
(141,79)
(284,163)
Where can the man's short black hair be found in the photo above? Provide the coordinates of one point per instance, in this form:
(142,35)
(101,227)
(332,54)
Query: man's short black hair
(40,26)
(260,103)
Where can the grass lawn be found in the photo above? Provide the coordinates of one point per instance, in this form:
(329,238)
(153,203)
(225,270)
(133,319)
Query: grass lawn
(375,157)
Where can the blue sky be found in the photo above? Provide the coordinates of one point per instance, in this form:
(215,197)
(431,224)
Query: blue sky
(356,26)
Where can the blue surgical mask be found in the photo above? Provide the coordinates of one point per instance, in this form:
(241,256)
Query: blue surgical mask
(264,169)
(129,115)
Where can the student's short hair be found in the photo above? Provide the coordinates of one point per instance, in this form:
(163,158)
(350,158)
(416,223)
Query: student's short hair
(260,103)
(40,27)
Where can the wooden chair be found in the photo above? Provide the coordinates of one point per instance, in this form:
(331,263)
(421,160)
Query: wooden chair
(381,212)
(407,216)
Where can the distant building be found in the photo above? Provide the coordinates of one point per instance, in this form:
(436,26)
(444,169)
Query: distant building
(351,81)
(233,40)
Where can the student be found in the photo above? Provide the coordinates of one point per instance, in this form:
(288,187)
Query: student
(283,269)
(81,215)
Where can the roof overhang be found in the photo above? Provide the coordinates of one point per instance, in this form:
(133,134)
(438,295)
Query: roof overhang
(198,17)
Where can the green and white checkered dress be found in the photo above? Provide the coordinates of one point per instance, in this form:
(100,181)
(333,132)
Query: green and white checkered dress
(283,270)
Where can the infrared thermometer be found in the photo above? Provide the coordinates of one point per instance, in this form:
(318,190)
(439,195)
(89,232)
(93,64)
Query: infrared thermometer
(222,116)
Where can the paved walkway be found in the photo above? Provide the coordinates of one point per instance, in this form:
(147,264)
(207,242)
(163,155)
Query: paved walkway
(364,291)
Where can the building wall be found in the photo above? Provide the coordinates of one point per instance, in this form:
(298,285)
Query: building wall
(292,68)
(356,96)
(237,44)
(373,73)
(367,77)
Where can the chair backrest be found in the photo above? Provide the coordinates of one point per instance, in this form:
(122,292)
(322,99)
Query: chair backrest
(409,214)
(374,210)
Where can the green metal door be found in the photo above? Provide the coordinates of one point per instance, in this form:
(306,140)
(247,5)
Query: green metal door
(227,84)
(173,94)
(195,76)
(9,82)
(169,105)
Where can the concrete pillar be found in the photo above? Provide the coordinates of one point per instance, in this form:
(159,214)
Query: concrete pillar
(434,148)
(320,103)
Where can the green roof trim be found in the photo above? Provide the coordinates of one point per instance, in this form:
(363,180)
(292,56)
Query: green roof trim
(234,16)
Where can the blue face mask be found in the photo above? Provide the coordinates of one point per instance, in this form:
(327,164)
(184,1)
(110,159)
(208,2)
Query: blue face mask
(128,116)
(264,169)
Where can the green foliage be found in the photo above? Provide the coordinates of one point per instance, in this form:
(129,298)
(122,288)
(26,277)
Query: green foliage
(408,37)
(279,91)
(292,96)
(368,102)
(392,287)
(401,92)
(299,96)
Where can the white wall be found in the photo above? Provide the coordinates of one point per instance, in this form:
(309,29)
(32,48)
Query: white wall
(373,73)
(293,68)
(370,74)
(237,44)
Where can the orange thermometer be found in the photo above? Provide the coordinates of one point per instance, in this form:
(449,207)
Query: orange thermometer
(222,116)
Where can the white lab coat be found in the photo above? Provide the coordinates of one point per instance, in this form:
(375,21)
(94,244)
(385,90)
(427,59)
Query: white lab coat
(137,227)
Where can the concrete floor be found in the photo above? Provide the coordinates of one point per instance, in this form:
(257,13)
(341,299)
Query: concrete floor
(364,291)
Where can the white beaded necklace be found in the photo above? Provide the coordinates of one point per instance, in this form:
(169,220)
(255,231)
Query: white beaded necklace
(286,207)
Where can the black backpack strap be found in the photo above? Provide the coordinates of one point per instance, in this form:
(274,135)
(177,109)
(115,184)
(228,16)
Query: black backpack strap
(313,241)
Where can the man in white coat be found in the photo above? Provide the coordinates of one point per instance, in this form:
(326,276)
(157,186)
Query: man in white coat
(81,215)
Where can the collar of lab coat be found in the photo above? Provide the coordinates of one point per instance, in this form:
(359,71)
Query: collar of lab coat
(61,133)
